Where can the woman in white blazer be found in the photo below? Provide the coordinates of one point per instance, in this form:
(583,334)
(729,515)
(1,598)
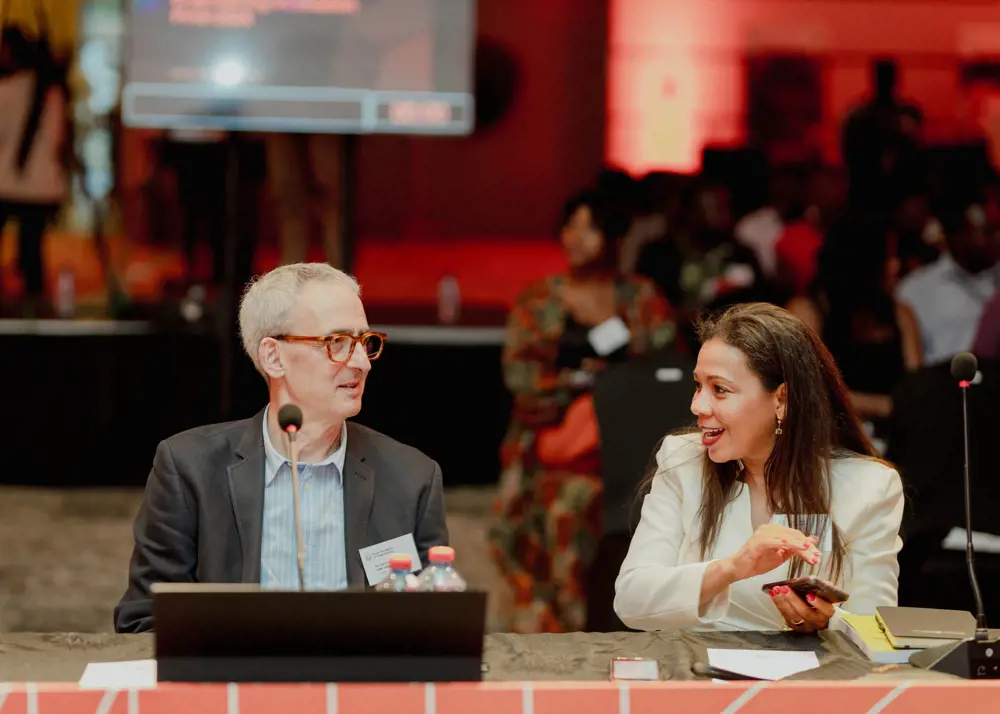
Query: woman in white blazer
(780,480)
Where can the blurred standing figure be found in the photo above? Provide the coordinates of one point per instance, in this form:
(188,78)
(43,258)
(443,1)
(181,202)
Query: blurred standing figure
(305,172)
(34,94)
(881,143)
(561,333)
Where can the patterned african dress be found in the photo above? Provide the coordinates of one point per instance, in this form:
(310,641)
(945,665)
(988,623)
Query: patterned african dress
(549,518)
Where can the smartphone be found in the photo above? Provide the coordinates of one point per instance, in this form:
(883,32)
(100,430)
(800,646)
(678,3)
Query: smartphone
(805,586)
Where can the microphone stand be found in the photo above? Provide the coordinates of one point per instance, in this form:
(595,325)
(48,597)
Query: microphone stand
(982,633)
(971,658)
(300,550)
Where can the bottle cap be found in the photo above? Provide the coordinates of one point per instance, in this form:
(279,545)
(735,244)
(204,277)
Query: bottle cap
(441,554)
(400,562)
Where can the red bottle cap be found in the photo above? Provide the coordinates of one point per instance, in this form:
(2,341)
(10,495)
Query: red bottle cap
(400,562)
(441,554)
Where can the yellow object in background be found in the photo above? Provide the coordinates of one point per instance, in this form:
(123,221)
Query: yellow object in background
(60,16)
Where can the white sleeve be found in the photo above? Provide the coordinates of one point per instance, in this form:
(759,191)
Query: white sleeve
(873,564)
(653,590)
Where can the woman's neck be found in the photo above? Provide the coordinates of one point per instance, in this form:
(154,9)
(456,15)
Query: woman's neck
(591,274)
(753,473)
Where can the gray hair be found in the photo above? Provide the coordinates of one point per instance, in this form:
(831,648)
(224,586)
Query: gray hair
(269,299)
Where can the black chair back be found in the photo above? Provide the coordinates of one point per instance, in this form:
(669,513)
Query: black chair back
(637,403)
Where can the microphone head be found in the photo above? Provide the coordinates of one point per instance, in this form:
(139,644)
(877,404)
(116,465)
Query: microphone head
(290,416)
(964,366)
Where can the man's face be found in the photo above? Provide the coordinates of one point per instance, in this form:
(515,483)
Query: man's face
(324,389)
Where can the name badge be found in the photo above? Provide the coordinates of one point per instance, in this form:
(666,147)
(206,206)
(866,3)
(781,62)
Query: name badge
(375,558)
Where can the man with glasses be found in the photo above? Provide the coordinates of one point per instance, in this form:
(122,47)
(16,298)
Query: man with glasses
(219,506)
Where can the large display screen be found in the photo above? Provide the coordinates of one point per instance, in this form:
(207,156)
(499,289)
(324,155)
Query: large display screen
(334,66)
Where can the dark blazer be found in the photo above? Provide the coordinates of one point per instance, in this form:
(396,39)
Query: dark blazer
(202,515)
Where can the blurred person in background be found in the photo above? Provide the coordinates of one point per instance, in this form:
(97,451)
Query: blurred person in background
(801,240)
(700,265)
(881,142)
(949,296)
(658,207)
(760,230)
(987,346)
(561,333)
(873,337)
(36,146)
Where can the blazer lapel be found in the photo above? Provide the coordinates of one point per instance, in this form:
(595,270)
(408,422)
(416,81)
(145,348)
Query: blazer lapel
(246,487)
(359,494)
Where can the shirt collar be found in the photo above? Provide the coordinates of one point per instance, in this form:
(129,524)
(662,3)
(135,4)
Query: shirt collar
(274,460)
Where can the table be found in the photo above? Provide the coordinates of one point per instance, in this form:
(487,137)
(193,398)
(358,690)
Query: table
(528,674)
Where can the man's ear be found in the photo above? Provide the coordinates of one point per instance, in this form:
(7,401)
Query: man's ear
(781,402)
(269,357)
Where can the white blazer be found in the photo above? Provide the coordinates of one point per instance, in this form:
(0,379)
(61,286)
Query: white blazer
(659,585)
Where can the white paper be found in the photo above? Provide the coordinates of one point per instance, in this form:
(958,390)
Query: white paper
(609,336)
(375,558)
(763,664)
(136,674)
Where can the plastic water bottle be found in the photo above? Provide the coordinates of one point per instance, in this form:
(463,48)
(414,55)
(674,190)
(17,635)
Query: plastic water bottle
(65,294)
(399,579)
(440,575)
(449,300)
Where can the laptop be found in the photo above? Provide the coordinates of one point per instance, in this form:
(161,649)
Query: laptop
(922,628)
(242,633)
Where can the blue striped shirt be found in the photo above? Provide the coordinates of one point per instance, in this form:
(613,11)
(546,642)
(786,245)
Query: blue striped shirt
(322,492)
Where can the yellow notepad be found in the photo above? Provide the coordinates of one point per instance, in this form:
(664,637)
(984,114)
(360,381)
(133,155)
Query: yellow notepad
(864,631)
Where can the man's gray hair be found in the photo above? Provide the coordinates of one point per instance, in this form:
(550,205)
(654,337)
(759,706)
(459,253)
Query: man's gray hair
(268,301)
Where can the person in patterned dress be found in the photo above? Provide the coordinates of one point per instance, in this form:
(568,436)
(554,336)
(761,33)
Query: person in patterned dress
(549,507)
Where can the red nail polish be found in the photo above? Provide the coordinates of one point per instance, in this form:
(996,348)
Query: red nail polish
(774,591)
(785,589)
(811,598)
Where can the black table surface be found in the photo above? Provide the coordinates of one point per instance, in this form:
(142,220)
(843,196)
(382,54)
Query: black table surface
(62,657)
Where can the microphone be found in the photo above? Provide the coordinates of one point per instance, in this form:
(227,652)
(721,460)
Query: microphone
(970,659)
(290,421)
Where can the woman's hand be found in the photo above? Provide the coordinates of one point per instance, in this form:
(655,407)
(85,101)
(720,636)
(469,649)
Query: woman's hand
(809,615)
(770,546)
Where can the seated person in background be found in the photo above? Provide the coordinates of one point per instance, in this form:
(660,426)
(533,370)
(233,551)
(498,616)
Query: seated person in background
(779,481)
(561,333)
(873,337)
(218,504)
(949,295)
(700,265)
(988,337)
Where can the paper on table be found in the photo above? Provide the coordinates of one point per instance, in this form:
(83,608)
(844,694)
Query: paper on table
(763,664)
(136,674)
(375,558)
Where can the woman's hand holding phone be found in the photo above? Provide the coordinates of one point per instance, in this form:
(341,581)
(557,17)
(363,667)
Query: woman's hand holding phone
(809,614)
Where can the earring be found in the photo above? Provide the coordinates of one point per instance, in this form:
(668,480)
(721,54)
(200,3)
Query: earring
(779,431)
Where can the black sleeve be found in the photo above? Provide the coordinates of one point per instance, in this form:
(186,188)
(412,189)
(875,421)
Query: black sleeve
(166,543)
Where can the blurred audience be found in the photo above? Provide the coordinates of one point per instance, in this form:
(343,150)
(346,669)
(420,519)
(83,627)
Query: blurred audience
(949,295)
(561,333)
(699,264)
(987,344)
(873,337)
(760,230)
(35,143)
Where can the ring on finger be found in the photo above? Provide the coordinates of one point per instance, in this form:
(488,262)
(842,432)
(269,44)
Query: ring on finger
(798,623)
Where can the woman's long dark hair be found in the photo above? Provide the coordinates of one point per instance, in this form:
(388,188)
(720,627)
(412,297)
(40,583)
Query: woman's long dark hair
(819,424)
